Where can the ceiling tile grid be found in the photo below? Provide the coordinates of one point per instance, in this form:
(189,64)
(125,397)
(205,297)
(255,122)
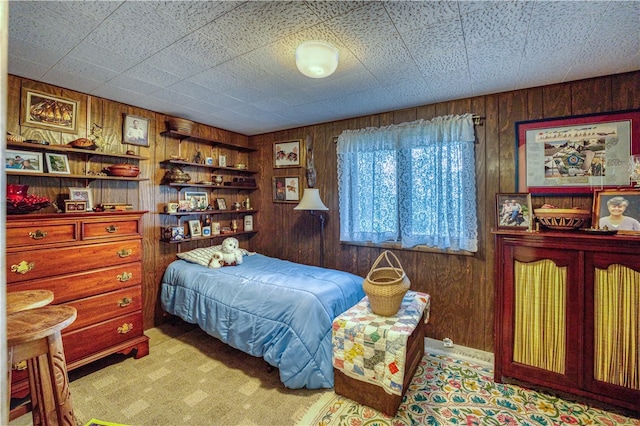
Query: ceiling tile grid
(230,64)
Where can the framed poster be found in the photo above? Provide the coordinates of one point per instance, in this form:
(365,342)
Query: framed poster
(513,211)
(286,189)
(57,163)
(135,130)
(23,161)
(570,155)
(617,210)
(288,153)
(45,111)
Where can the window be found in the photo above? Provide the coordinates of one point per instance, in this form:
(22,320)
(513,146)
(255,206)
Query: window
(412,183)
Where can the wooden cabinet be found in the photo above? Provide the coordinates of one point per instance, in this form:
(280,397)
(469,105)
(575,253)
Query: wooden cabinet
(568,313)
(92,261)
(231,190)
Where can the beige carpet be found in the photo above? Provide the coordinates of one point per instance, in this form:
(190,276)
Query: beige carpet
(188,378)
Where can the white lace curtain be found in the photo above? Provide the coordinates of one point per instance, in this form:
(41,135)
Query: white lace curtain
(413,183)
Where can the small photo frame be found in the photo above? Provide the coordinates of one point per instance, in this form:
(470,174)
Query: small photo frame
(82,194)
(135,130)
(221,204)
(513,211)
(71,206)
(57,163)
(288,154)
(222,161)
(195,230)
(23,161)
(206,231)
(198,200)
(286,189)
(617,210)
(36,111)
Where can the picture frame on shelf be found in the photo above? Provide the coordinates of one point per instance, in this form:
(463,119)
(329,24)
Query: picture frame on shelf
(36,111)
(71,206)
(513,211)
(195,229)
(617,210)
(135,130)
(206,231)
(221,204)
(198,200)
(82,194)
(573,155)
(23,161)
(286,189)
(57,163)
(289,153)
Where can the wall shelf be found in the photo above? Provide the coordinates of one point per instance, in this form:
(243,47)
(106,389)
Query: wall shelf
(83,177)
(189,163)
(212,142)
(204,185)
(210,212)
(64,148)
(187,240)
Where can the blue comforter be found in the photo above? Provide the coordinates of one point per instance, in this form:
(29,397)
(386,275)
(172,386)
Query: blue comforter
(267,307)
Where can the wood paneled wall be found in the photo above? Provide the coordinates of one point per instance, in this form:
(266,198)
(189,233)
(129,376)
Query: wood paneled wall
(461,287)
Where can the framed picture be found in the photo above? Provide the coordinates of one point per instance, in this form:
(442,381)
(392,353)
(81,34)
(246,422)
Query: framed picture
(513,211)
(195,229)
(570,155)
(288,154)
(23,161)
(135,130)
(57,163)
(50,112)
(206,231)
(617,210)
(198,200)
(221,204)
(82,194)
(71,206)
(286,189)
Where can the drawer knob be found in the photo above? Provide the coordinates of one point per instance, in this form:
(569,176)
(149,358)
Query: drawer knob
(125,276)
(125,252)
(111,229)
(38,234)
(125,328)
(124,302)
(22,267)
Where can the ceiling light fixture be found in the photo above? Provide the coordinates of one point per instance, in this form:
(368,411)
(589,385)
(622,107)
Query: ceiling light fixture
(316,59)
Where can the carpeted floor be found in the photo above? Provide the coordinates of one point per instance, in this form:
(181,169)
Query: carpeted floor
(190,378)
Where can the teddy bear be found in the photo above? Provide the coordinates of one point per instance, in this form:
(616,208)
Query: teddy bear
(228,255)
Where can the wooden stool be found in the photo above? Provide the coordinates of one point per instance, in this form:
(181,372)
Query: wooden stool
(34,335)
(29,299)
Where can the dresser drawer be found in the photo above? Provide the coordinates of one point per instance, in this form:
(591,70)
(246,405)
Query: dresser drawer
(99,337)
(41,234)
(95,309)
(32,264)
(109,229)
(85,284)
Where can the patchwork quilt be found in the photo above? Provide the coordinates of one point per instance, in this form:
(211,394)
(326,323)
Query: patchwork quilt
(372,348)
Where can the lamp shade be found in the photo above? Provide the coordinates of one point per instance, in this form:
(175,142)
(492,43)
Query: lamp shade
(311,200)
(316,59)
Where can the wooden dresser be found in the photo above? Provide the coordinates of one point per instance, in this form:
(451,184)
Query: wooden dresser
(91,261)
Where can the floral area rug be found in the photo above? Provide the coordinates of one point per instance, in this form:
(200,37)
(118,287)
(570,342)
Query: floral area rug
(451,391)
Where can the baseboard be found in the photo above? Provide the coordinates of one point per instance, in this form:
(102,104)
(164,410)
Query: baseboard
(473,355)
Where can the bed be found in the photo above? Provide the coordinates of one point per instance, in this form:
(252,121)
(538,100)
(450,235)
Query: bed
(267,307)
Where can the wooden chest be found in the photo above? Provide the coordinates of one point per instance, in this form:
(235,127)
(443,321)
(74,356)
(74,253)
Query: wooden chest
(91,261)
(375,396)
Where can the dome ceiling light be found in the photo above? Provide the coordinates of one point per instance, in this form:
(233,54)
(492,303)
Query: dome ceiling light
(316,59)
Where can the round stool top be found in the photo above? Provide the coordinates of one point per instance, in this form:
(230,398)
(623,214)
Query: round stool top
(34,324)
(29,299)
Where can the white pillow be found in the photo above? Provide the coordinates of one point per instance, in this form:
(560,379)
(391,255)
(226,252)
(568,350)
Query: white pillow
(202,256)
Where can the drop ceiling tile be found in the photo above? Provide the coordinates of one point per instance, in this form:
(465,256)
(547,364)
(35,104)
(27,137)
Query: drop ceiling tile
(195,14)
(363,26)
(382,52)
(32,52)
(172,62)
(141,87)
(102,56)
(109,35)
(414,15)
(498,21)
(83,69)
(171,96)
(437,38)
(270,104)
(564,14)
(24,68)
(201,49)
(194,90)
(441,63)
(328,9)
(60,78)
(152,75)
(50,36)
(138,18)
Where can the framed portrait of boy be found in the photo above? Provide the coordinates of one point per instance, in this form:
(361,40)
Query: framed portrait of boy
(135,130)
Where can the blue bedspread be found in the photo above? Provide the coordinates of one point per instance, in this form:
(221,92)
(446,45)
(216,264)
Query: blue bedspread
(279,310)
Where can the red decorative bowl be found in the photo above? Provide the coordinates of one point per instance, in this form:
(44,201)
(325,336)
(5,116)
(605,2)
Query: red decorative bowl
(18,202)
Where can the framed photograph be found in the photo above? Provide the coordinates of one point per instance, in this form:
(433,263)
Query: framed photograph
(71,206)
(195,230)
(221,204)
(198,200)
(57,163)
(82,194)
(135,130)
(617,210)
(573,155)
(286,189)
(288,154)
(513,211)
(23,161)
(50,112)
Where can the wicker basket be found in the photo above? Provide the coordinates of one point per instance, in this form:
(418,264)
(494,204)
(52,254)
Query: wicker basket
(386,286)
(180,125)
(564,219)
